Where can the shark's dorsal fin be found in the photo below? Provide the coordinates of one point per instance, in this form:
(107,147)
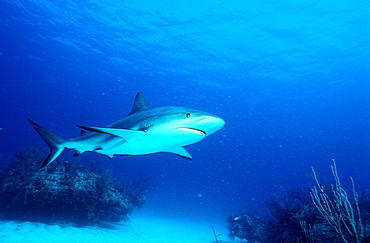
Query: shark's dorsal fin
(139,103)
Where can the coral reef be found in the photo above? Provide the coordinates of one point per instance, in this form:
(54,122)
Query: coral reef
(337,209)
(308,216)
(249,227)
(66,192)
(293,221)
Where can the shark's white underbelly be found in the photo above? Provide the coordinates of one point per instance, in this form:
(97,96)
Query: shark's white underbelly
(151,144)
(146,143)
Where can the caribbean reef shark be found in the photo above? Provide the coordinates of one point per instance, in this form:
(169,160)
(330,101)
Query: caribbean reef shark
(144,131)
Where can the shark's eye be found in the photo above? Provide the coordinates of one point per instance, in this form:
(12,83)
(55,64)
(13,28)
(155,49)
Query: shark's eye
(187,115)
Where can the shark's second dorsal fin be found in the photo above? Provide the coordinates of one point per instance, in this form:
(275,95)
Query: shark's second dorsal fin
(139,103)
(80,136)
(82,133)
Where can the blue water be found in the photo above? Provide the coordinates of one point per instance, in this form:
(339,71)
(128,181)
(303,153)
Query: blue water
(290,78)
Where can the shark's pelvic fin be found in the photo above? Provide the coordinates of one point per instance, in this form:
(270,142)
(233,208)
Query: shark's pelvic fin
(54,141)
(180,151)
(129,136)
(139,103)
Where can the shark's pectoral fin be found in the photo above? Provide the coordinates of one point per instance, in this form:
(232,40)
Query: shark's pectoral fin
(118,144)
(180,151)
(129,136)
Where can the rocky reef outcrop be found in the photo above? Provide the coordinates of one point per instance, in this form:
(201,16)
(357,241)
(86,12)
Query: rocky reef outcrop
(66,192)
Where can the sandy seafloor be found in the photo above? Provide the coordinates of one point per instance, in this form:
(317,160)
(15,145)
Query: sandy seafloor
(139,229)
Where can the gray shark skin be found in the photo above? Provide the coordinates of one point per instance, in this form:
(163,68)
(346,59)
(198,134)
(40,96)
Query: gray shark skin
(144,131)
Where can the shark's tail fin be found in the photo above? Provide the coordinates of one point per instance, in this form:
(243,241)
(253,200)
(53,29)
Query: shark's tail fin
(54,141)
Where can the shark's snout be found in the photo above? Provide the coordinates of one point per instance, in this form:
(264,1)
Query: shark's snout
(211,124)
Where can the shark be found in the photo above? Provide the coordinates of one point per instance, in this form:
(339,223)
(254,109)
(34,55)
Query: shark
(144,131)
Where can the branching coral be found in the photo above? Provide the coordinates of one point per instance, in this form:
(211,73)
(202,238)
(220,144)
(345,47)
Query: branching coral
(338,210)
(309,216)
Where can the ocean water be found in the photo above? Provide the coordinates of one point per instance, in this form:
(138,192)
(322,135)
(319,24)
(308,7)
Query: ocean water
(291,79)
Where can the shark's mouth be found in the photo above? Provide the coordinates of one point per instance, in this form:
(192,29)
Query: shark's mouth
(194,129)
(200,131)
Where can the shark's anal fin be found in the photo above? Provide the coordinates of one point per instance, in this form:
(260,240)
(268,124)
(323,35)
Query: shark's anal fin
(180,151)
(77,153)
(126,134)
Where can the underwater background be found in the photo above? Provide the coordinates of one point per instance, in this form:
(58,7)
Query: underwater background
(291,79)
